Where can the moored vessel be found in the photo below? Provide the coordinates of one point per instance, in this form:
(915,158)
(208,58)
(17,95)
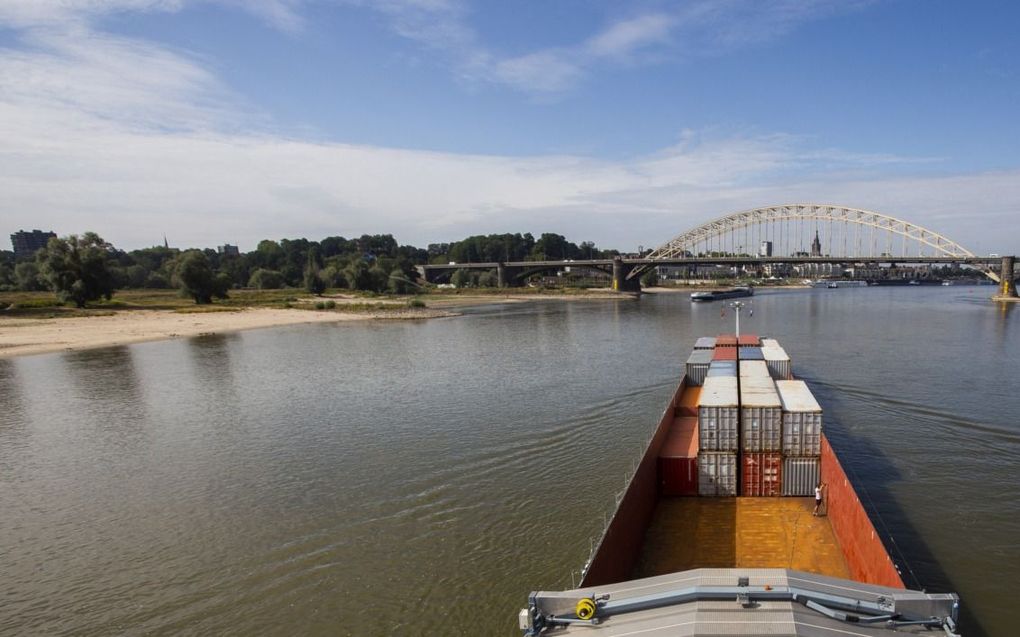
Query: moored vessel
(717,531)
(718,295)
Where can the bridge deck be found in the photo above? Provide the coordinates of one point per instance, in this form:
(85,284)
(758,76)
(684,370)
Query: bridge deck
(700,532)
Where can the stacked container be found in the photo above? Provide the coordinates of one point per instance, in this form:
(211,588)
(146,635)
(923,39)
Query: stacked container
(777,360)
(750,354)
(722,368)
(761,434)
(802,437)
(697,366)
(718,419)
(724,354)
(705,342)
(678,458)
(748,340)
(725,340)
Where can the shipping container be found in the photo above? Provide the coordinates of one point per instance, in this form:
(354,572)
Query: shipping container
(697,366)
(724,354)
(754,369)
(800,475)
(750,354)
(725,340)
(689,402)
(769,342)
(761,474)
(802,419)
(761,415)
(718,414)
(722,368)
(748,340)
(717,474)
(778,362)
(678,459)
(705,342)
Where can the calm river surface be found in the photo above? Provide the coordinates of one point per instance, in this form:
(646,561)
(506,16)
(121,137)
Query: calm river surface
(423,477)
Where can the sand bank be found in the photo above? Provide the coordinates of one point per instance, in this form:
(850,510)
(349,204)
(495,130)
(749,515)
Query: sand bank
(26,336)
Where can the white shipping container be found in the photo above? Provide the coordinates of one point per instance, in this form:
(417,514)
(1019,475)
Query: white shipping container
(754,368)
(800,475)
(769,342)
(761,415)
(718,416)
(705,342)
(778,362)
(802,419)
(697,366)
(717,474)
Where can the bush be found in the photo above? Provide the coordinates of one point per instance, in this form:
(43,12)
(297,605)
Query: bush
(416,303)
(264,279)
(325,305)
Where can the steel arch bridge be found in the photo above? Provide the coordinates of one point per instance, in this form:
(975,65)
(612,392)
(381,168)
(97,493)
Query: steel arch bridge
(810,229)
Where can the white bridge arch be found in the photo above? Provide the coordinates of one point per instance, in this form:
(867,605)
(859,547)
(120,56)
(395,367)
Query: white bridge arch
(718,229)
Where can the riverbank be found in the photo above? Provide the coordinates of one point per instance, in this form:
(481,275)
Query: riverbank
(48,330)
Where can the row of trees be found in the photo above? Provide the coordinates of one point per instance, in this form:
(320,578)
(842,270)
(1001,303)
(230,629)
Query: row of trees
(514,247)
(85,268)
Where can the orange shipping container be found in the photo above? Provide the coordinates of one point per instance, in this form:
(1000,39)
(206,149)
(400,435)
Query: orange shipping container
(724,354)
(749,340)
(725,340)
(678,458)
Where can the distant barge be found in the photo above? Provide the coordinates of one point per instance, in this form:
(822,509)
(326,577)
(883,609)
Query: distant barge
(718,295)
(703,541)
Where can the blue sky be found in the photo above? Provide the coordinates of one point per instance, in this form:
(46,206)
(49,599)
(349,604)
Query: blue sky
(623,123)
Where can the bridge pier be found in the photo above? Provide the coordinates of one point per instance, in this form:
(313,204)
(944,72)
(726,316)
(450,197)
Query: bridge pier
(1007,285)
(506,276)
(621,271)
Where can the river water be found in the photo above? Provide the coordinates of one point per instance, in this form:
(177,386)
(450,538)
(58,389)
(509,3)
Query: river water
(422,477)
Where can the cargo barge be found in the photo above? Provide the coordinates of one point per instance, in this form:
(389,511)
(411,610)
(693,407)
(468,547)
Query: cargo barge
(718,295)
(717,532)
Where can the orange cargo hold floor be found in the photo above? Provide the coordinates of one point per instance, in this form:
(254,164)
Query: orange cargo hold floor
(694,532)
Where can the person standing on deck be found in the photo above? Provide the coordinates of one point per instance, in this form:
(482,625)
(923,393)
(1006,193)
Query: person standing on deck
(818,498)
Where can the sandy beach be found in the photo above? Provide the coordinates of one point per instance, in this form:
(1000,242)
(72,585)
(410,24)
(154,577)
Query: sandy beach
(27,336)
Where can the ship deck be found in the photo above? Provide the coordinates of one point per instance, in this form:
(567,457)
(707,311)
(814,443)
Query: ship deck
(700,532)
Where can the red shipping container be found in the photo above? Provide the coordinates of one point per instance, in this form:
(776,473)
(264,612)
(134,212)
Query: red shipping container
(749,340)
(725,340)
(724,354)
(678,458)
(762,474)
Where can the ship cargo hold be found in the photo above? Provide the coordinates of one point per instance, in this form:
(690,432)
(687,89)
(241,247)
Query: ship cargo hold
(714,534)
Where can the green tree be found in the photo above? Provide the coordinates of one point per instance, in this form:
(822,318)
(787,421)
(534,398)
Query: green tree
(357,275)
(27,277)
(76,268)
(313,279)
(195,277)
(650,278)
(461,278)
(264,279)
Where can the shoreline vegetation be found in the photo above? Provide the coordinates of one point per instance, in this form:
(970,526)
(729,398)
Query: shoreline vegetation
(36,323)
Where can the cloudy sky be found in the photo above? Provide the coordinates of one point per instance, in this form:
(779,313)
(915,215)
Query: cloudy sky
(624,123)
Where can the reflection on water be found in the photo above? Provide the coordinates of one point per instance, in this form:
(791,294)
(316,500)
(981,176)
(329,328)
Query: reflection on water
(423,477)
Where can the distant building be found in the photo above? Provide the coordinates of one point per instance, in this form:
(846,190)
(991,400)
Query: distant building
(765,249)
(228,250)
(816,246)
(26,244)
